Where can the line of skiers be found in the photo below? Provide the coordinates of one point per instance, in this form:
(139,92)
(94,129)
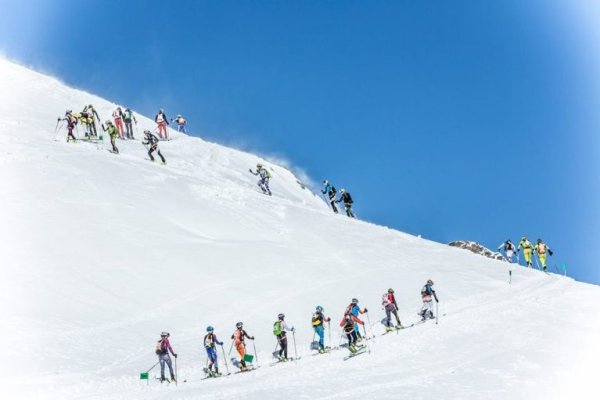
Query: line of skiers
(350,325)
(345,197)
(529,251)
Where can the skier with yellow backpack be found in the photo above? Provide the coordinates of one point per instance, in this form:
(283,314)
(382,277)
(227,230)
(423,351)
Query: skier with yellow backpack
(541,249)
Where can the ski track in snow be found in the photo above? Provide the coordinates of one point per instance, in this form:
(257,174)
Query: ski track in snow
(102,252)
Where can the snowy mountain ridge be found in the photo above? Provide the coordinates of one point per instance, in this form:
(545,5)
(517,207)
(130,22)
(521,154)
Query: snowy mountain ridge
(102,252)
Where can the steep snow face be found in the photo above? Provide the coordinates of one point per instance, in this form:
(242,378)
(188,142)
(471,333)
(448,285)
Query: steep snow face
(102,252)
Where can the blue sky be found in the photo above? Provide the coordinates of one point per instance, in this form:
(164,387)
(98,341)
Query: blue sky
(454,120)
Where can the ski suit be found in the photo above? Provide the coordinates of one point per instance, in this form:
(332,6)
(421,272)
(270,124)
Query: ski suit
(210,340)
(162,122)
(347,200)
(330,191)
(348,325)
(118,117)
(128,117)
(91,113)
(180,124)
(112,132)
(388,302)
(71,121)
(426,295)
(509,250)
(151,141)
(317,323)
(354,310)
(83,118)
(527,250)
(541,249)
(163,348)
(282,339)
(263,183)
(240,345)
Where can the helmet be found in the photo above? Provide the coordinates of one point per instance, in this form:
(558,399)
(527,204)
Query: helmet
(209,329)
(429,282)
(108,122)
(390,290)
(508,241)
(162,110)
(90,106)
(258,165)
(524,238)
(319,308)
(281,316)
(355,301)
(165,334)
(147,132)
(325,182)
(68,112)
(239,325)
(342,190)
(178,115)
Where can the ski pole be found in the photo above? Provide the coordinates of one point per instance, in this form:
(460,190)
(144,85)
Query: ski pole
(366,341)
(225,359)
(329,329)
(313,339)
(176,376)
(509,276)
(151,368)
(295,351)
(255,354)
(370,326)
(437,311)
(230,348)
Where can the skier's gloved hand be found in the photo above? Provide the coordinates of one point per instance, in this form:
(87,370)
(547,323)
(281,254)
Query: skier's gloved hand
(252,338)
(550,252)
(366,310)
(175,355)
(293,329)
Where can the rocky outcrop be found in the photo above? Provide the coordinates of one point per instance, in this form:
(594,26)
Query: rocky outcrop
(476,248)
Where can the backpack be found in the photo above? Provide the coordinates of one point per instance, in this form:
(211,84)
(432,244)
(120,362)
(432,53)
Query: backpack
(277,328)
(208,341)
(385,300)
(160,347)
(541,248)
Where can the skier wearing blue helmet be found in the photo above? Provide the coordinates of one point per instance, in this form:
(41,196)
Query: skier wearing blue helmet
(210,342)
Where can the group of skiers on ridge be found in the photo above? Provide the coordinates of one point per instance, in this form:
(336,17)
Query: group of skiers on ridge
(345,197)
(350,325)
(529,250)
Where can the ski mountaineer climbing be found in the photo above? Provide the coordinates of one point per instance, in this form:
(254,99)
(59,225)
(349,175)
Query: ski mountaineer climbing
(426,295)
(541,248)
(127,118)
(264,174)
(527,247)
(151,141)
(163,347)
(210,342)
(509,250)
(279,330)
(388,301)
(118,117)
(347,199)
(181,123)
(317,322)
(354,310)
(92,115)
(161,124)
(347,324)
(240,345)
(330,191)
(112,132)
(71,122)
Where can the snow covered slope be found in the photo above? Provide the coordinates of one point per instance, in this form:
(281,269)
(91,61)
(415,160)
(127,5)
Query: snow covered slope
(102,252)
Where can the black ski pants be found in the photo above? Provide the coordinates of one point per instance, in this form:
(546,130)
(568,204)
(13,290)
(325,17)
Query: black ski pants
(283,345)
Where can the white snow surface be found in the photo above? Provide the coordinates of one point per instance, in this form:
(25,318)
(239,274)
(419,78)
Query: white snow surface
(102,252)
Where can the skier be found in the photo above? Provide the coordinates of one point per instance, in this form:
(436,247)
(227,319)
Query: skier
(151,141)
(279,330)
(118,117)
(264,174)
(426,295)
(354,310)
(388,301)
(240,345)
(527,247)
(91,113)
(347,199)
(348,325)
(71,122)
(163,347)
(181,123)
(541,248)
(210,342)
(162,122)
(317,323)
(128,117)
(509,250)
(330,191)
(112,132)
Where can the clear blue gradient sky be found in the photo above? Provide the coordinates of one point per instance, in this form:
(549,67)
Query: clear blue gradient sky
(454,120)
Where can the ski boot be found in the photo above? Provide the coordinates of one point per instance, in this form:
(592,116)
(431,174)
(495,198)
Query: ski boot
(173,379)
(399,326)
(352,348)
(321,350)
